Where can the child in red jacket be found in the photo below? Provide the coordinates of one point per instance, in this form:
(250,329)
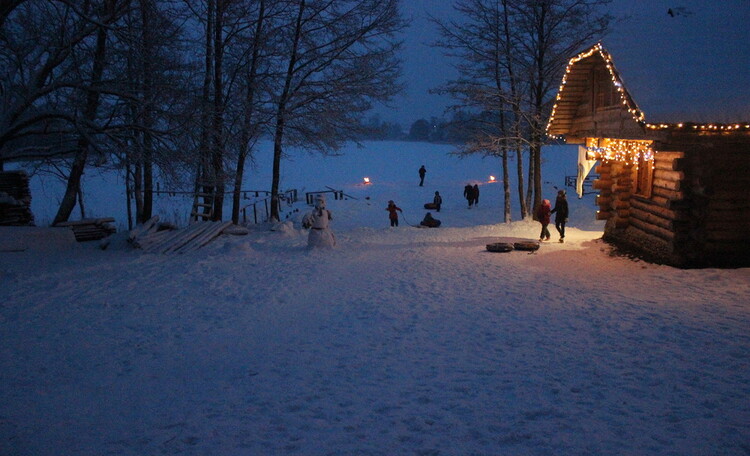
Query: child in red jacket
(393,215)
(543,214)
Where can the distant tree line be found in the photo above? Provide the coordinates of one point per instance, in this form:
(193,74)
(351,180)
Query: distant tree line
(456,130)
(187,87)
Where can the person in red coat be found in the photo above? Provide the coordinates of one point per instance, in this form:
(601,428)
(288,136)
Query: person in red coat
(543,213)
(392,214)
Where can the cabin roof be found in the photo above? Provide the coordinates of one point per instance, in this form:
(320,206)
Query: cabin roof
(577,78)
(574,87)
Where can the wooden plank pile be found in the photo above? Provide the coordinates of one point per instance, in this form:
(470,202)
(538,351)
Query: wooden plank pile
(90,229)
(151,238)
(15,199)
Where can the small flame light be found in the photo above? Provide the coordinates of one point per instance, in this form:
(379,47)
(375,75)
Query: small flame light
(492,178)
(367,180)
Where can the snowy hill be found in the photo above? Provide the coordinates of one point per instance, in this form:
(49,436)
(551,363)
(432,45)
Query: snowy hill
(400,341)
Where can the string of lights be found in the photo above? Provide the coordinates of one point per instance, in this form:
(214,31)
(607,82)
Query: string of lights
(633,109)
(692,126)
(631,106)
(628,151)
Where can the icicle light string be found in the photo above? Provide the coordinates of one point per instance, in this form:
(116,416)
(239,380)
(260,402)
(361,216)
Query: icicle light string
(622,150)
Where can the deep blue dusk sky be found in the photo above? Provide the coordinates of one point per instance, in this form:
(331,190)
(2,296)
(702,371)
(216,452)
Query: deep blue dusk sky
(694,65)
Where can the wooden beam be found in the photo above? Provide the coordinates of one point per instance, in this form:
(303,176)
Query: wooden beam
(651,218)
(657,210)
(670,194)
(668,155)
(667,184)
(669,175)
(654,230)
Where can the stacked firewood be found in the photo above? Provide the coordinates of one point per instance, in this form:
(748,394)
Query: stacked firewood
(90,229)
(15,199)
(157,238)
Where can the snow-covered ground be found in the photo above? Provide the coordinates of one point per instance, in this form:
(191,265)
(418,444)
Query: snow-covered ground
(400,341)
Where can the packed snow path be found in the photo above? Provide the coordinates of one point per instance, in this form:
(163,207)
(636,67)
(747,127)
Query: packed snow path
(430,347)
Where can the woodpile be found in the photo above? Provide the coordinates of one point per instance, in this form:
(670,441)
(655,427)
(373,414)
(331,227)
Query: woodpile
(15,199)
(90,229)
(152,237)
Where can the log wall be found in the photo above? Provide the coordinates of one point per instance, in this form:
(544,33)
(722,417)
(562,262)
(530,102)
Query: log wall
(698,213)
(716,186)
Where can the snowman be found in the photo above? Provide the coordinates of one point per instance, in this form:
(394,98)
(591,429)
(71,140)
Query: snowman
(318,221)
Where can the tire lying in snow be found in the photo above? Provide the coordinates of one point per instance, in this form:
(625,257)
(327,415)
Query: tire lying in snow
(526,245)
(500,247)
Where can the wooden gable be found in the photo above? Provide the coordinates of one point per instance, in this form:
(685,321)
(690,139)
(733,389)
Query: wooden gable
(593,102)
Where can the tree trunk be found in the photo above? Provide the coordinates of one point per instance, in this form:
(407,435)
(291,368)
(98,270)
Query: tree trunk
(529,186)
(128,194)
(536,147)
(204,168)
(506,187)
(217,157)
(92,104)
(249,110)
(147,122)
(138,188)
(281,116)
(519,172)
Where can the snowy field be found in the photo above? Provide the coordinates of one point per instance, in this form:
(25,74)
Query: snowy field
(400,341)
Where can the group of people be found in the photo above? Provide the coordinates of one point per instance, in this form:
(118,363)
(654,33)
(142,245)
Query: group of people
(472,194)
(318,220)
(544,214)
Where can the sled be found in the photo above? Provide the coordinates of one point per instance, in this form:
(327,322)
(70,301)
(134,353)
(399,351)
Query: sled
(530,246)
(432,206)
(500,247)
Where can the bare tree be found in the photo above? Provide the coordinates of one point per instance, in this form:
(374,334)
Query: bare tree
(510,56)
(549,32)
(341,56)
(482,45)
(107,14)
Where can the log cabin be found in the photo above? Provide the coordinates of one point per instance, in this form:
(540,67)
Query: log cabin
(671,193)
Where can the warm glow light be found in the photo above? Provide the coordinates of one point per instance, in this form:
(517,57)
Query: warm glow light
(621,150)
(492,178)
(367,180)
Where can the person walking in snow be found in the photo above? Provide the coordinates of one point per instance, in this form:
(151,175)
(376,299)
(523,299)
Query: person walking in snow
(543,215)
(392,212)
(475,191)
(319,220)
(422,172)
(561,213)
(437,201)
(469,194)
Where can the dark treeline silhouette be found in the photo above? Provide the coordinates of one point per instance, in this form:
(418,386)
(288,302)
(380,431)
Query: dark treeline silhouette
(456,130)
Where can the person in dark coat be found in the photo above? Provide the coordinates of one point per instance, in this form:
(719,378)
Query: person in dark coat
(437,201)
(469,194)
(561,213)
(422,172)
(476,194)
(429,221)
(543,215)
(392,212)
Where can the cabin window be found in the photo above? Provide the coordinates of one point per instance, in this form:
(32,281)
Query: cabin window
(604,90)
(644,177)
